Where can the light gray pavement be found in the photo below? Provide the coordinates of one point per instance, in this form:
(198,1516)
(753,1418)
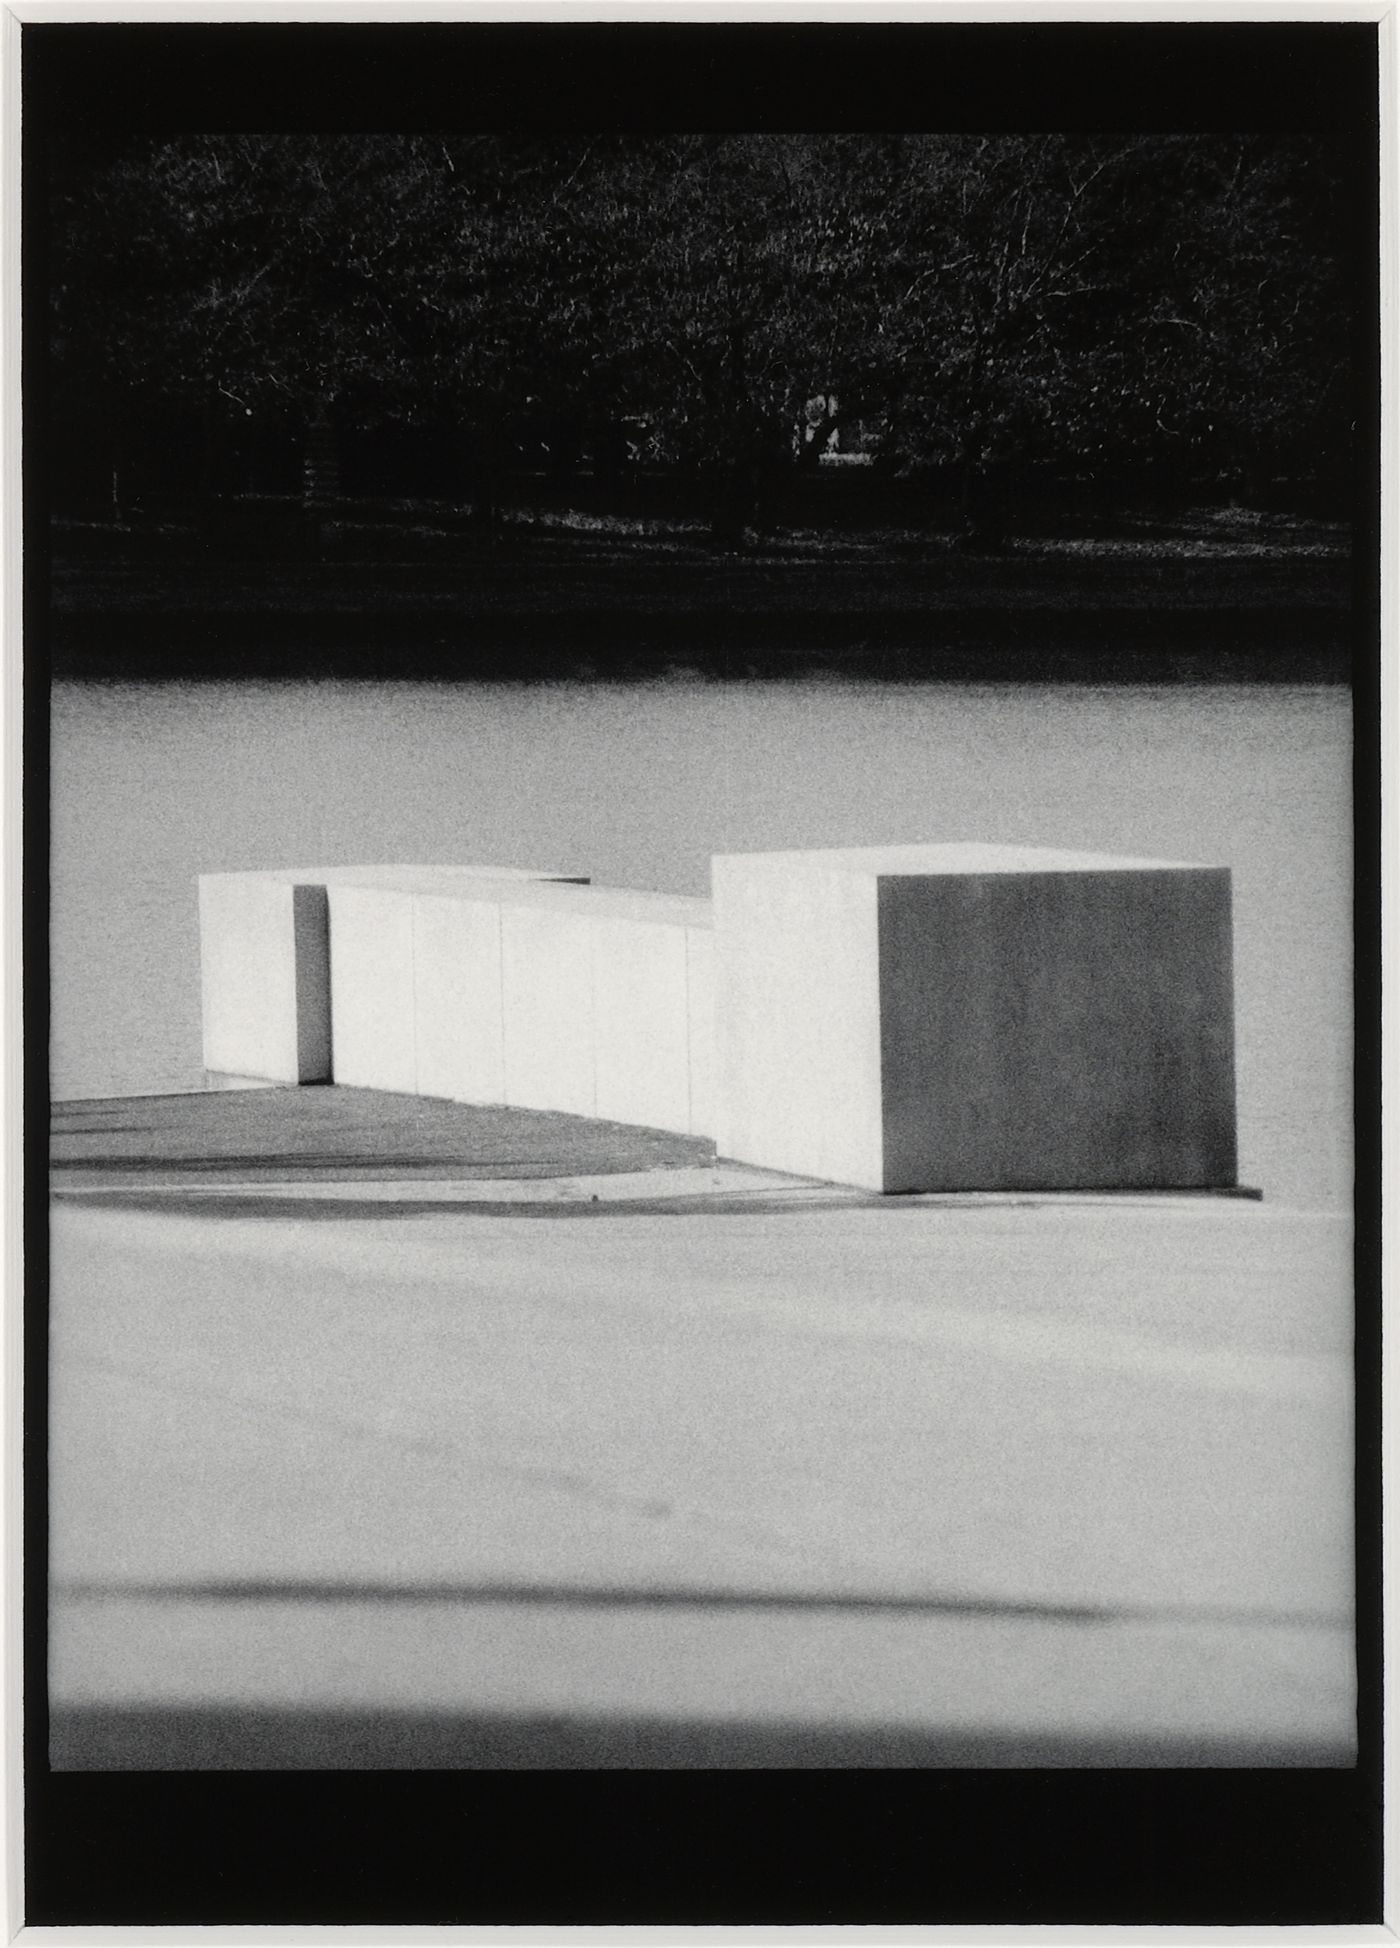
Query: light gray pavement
(401,1477)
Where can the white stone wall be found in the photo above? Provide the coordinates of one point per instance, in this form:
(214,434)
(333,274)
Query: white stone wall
(265,965)
(258,969)
(483,988)
(918,1018)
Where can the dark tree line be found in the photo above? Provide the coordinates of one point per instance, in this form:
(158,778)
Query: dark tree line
(1092,304)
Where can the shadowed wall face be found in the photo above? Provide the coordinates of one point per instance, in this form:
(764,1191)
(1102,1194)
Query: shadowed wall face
(1061,1030)
(311,934)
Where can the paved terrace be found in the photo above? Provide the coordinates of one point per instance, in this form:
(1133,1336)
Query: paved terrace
(355,1462)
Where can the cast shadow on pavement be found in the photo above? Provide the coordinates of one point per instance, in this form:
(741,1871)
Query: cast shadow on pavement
(329,1591)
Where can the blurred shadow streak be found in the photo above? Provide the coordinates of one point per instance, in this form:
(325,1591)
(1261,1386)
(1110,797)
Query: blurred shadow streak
(233,1738)
(649,1597)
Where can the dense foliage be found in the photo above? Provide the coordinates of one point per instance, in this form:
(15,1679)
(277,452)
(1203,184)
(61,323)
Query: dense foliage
(1089,304)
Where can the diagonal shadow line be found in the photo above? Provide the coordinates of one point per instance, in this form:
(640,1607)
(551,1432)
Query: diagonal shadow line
(645,1597)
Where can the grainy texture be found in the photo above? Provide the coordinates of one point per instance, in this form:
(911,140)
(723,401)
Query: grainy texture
(299,1135)
(1057,1031)
(251,985)
(965,1016)
(372,988)
(458,1030)
(265,967)
(865,1482)
(797,1016)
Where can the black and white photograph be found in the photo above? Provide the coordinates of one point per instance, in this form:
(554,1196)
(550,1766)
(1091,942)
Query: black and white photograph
(701,797)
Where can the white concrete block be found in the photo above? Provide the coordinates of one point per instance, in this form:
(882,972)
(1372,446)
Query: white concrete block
(797,1016)
(596,996)
(415,961)
(976,1017)
(547,1008)
(264,977)
(372,1007)
(641,1033)
(265,959)
(641,1007)
(457,1005)
(480,986)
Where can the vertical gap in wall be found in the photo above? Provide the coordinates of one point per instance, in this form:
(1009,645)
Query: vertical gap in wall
(311,984)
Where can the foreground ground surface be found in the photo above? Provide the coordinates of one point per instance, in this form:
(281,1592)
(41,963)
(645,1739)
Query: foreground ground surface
(653,1461)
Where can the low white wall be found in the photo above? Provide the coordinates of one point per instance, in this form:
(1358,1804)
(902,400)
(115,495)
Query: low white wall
(547,1009)
(588,1000)
(651,1036)
(265,966)
(372,1031)
(641,1023)
(598,1014)
(457,1010)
